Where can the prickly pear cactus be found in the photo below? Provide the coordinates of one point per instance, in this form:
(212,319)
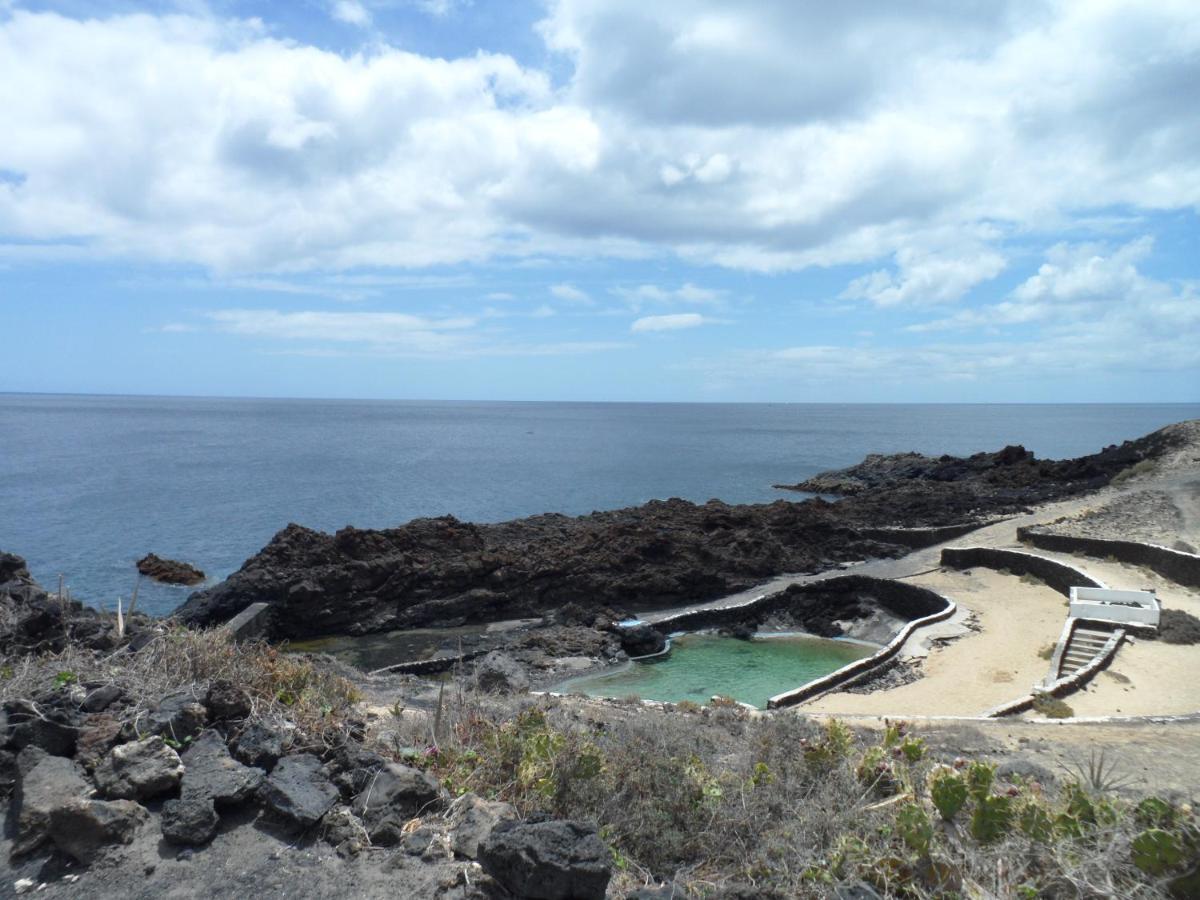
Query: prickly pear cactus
(948,790)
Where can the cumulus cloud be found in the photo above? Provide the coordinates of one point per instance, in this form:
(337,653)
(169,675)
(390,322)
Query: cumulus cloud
(650,294)
(204,140)
(352,12)
(1087,309)
(672,322)
(570,293)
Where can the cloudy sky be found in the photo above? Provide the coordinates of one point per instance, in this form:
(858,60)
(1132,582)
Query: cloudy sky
(602,199)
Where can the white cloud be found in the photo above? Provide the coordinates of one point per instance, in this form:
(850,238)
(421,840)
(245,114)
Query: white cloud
(319,333)
(352,12)
(500,295)
(927,278)
(765,136)
(570,293)
(648,294)
(672,322)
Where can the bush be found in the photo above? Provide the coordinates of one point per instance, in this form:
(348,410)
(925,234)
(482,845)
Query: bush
(1052,707)
(1178,627)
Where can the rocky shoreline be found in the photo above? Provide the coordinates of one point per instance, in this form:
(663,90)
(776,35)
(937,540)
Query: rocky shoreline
(442,572)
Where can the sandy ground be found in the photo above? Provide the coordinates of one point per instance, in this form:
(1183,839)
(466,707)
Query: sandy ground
(1016,619)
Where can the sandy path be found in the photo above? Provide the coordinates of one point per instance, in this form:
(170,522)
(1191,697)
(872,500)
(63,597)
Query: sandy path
(981,669)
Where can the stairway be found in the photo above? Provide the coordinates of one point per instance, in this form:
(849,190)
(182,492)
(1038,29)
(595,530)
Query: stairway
(1086,641)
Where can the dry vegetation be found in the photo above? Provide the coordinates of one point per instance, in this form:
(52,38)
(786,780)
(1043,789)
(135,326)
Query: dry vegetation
(784,807)
(280,686)
(705,797)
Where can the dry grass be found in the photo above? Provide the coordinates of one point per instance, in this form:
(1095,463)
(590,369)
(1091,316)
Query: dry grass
(280,686)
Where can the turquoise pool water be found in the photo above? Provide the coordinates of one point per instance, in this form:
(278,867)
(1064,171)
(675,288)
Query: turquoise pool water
(701,665)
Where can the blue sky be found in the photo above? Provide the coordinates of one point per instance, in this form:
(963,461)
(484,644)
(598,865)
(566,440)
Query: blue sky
(602,200)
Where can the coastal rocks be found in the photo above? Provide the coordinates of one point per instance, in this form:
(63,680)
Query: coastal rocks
(169,571)
(472,820)
(297,791)
(139,770)
(189,821)
(556,860)
(436,572)
(259,745)
(213,775)
(178,716)
(48,723)
(396,794)
(499,673)
(44,784)
(226,701)
(85,828)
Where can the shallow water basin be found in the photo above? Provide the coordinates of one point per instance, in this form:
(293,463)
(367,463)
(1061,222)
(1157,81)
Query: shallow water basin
(700,666)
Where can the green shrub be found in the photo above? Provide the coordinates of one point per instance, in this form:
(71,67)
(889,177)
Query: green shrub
(1052,707)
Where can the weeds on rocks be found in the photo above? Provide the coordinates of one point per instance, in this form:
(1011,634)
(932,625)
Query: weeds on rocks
(280,686)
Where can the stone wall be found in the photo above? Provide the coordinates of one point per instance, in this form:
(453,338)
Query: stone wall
(1059,576)
(1182,568)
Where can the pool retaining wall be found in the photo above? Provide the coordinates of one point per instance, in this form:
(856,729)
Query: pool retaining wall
(1058,576)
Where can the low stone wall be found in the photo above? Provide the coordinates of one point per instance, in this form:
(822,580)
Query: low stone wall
(252,622)
(1059,576)
(861,667)
(906,600)
(921,537)
(1180,567)
(427,666)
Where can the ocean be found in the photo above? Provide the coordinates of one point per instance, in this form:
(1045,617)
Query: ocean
(89,484)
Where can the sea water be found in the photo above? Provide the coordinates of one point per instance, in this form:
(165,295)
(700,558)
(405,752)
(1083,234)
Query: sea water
(700,666)
(90,484)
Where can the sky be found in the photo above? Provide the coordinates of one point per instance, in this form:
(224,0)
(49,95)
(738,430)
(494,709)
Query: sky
(939,200)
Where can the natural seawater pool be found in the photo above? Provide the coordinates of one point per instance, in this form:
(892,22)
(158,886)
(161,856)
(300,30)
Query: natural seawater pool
(702,665)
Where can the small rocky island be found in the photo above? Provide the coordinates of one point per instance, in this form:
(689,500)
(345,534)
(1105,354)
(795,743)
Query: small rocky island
(169,571)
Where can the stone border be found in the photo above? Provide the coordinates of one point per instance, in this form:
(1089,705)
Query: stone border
(1059,576)
(428,666)
(918,538)
(861,667)
(1175,565)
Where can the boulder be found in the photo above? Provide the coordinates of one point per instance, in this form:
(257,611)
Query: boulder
(178,716)
(259,745)
(555,860)
(8,772)
(44,783)
(225,700)
(169,571)
(499,673)
(353,768)
(96,739)
(101,697)
(471,822)
(641,640)
(83,829)
(139,770)
(210,773)
(49,723)
(395,794)
(297,791)
(189,820)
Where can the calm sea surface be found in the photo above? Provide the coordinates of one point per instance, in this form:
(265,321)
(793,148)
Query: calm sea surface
(89,484)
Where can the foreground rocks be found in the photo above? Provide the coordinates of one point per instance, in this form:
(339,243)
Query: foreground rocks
(169,571)
(556,860)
